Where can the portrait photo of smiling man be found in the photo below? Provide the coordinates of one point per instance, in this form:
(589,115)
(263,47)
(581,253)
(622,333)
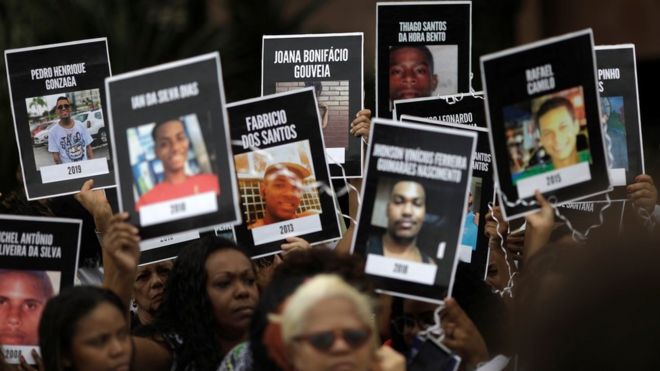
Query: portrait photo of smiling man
(178,164)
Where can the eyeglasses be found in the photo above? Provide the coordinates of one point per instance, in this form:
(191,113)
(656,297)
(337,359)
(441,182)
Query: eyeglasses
(63,106)
(324,340)
(406,322)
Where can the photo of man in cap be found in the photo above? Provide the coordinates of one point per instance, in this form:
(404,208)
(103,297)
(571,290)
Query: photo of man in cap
(281,191)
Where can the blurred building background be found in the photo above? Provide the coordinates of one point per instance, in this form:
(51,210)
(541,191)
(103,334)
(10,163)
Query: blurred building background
(142,33)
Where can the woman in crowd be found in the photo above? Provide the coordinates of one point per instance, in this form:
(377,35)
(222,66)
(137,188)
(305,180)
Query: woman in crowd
(327,324)
(207,306)
(148,292)
(85,328)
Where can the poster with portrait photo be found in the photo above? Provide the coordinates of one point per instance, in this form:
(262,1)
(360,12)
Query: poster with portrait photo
(38,258)
(332,64)
(412,212)
(173,158)
(423,49)
(619,107)
(463,109)
(543,112)
(474,243)
(59,119)
(283,176)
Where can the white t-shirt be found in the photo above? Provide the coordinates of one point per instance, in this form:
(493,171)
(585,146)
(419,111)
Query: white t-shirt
(70,143)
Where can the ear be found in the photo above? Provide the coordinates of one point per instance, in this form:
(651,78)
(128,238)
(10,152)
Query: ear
(434,82)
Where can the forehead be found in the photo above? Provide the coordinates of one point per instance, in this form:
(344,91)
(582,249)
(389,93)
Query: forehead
(283,174)
(555,115)
(332,313)
(172,127)
(408,55)
(62,99)
(408,190)
(17,282)
(227,261)
(156,266)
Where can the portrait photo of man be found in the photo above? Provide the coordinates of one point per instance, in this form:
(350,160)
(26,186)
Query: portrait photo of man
(558,132)
(23,295)
(171,146)
(281,192)
(411,72)
(405,213)
(69,140)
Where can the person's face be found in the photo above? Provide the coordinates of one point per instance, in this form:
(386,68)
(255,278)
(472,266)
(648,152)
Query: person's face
(418,315)
(63,108)
(497,275)
(332,315)
(22,299)
(232,290)
(172,146)
(101,341)
(558,133)
(281,191)
(149,284)
(405,210)
(410,74)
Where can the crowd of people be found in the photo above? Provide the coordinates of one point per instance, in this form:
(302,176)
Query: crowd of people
(548,303)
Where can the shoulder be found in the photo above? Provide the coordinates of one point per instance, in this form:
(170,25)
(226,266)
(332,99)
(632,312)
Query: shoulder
(374,245)
(238,359)
(153,195)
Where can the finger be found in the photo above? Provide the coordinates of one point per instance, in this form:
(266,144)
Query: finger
(38,360)
(644,178)
(453,311)
(642,193)
(363,112)
(637,186)
(87,185)
(541,200)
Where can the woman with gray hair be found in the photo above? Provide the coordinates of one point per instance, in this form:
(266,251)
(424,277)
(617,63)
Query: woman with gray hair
(326,325)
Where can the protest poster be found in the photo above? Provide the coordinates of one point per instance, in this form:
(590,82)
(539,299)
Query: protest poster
(38,258)
(423,48)
(333,65)
(462,109)
(544,122)
(173,159)
(412,212)
(619,107)
(56,94)
(283,176)
(586,217)
(474,243)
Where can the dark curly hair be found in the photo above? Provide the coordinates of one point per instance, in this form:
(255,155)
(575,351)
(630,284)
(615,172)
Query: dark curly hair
(186,308)
(60,318)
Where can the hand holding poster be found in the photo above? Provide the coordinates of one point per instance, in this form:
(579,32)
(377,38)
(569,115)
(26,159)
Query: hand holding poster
(474,243)
(38,258)
(617,86)
(56,95)
(282,172)
(332,64)
(544,120)
(422,49)
(175,172)
(413,207)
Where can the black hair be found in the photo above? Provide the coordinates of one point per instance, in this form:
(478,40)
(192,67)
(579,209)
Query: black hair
(61,98)
(161,123)
(186,308)
(61,315)
(295,269)
(552,103)
(426,52)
